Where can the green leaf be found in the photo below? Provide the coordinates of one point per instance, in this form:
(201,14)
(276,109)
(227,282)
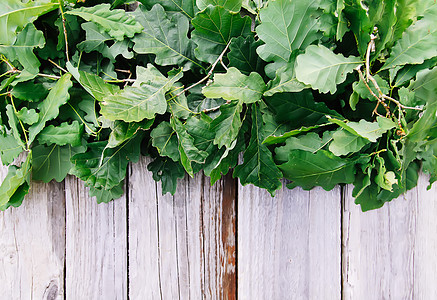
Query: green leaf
(167,171)
(242,55)
(22,50)
(16,185)
(345,142)
(383,15)
(425,90)
(28,116)
(361,89)
(214,28)
(385,179)
(49,108)
(322,168)
(93,84)
(53,162)
(235,86)
(65,134)
(405,15)
(299,109)
(370,131)
(13,123)
(258,167)
(143,100)
(178,103)
(366,192)
(29,91)
(232,5)
(408,72)
(103,167)
(165,140)
(115,22)
(189,153)
(72,28)
(95,38)
(310,142)
(285,81)
(122,131)
(225,160)
(418,43)
(357,16)
(287,26)
(15,14)
(187,7)
(323,69)
(106,196)
(279,139)
(165,37)
(227,124)
(9,147)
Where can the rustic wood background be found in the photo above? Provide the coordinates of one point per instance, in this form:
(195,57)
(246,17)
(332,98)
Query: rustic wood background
(220,242)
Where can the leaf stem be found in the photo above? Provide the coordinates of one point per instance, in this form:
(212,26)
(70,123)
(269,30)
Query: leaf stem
(57,66)
(65,30)
(209,73)
(21,123)
(83,121)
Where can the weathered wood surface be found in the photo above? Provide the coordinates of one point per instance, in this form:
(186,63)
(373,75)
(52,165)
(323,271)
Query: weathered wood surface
(289,246)
(182,246)
(96,245)
(32,245)
(390,253)
(220,242)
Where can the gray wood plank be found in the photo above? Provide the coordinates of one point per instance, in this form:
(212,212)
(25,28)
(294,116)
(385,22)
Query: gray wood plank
(389,253)
(32,245)
(425,242)
(289,246)
(179,246)
(96,245)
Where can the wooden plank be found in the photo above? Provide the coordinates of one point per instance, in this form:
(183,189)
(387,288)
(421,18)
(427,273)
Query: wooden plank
(182,246)
(379,248)
(32,244)
(289,245)
(96,245)
(425,242)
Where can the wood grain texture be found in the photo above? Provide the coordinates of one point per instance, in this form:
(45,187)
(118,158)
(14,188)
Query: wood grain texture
(96,245)
(32,245)
(289,246)
(425,242)
(182,246)
(390,253)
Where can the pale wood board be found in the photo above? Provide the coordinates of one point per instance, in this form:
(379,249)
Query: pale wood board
(289,246)
(390,253)
(425,242)
(32,245)
(176,250)
(96,245)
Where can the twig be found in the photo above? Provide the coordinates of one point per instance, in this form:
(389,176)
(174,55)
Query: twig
(120,80)
(47,76)
(206,110)
(123,71)
(209,73)
(380,101)
(223,64)
(370,47)
(65,30)
(21,123)
(58,66)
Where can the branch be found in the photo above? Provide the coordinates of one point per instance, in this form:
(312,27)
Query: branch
(380,101)
(219,59)
(65,30)
(58,66)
